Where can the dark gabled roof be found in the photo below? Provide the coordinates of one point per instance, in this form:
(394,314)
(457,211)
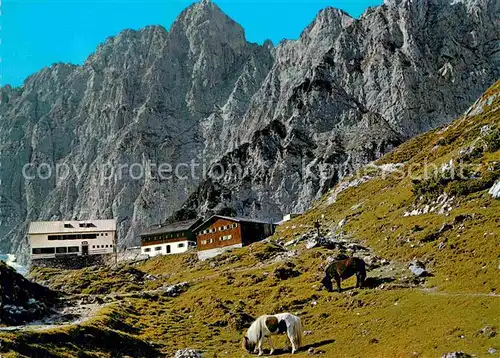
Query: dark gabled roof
(173,227)
(232,218)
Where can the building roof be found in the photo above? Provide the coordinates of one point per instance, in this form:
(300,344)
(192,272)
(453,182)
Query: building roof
(233,218)
(173,227)
(57,227)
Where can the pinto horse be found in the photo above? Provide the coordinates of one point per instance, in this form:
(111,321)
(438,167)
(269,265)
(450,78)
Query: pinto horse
(342,270)
(267,325)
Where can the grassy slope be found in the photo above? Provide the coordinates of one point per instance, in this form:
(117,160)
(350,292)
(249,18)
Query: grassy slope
(382,322)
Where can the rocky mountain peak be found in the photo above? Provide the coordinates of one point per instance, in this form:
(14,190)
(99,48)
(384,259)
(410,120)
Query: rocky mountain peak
(205,23)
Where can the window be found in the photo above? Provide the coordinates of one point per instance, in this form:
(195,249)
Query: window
(73,237)
(235,225)
(226,237)
(36,251)
(68,226)
(210,241)
(106,246)
(147,250)
(73,249)
(180,245)
(61,250)
(106,234)
(93,246)
(87,225)
(48,250)
(168,249)
(203,242)
(158,248)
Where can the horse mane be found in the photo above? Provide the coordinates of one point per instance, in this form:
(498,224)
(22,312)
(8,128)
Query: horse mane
(254,331)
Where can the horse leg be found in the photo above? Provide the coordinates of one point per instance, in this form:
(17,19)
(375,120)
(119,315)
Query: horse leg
(260,347)
(337,280)
(269,340)
(360,280)
(290,337)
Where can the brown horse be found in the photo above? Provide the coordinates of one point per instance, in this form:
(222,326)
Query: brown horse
(342,270)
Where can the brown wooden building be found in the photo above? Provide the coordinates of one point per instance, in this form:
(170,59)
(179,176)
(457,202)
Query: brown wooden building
(168,239)
(220,233)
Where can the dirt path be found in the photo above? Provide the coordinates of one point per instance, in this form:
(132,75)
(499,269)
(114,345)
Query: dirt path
(71,315)
(434,291)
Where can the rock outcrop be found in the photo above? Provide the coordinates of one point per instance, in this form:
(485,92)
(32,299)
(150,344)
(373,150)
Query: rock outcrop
(495,190)
(21,300)
(89,141)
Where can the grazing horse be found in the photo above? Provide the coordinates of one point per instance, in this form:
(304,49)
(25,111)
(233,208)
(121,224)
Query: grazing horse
(342,270)
(268,325)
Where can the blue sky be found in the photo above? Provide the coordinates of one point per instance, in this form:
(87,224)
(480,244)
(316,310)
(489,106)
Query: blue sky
(37,33)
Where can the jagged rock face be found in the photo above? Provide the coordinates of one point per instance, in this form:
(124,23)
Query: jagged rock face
(349,90)
(141,99)
(342,95)
(417,64)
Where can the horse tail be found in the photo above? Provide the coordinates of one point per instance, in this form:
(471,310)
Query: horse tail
(297,332)
(362,268)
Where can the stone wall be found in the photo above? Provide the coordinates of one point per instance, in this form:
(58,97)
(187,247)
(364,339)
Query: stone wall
(74,262)
(207,254)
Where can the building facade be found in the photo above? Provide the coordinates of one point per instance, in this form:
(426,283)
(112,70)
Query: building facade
(221,233)
(174,238)
(57,239)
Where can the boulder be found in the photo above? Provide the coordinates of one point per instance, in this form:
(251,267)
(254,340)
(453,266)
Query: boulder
(495,190)
(174,290)
(417,268)
(456,355)
(487,331)
(188,353)
(311,243)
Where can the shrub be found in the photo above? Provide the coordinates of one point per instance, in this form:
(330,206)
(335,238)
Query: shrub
(430,189)
(492,140)
(470,186)
(471,154)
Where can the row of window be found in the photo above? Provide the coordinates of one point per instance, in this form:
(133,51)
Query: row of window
(76,236)
(55,250)
(102,246)
(86,225)
(163,237)
(64,250)
(159,248)
(222,238)
(220,228)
